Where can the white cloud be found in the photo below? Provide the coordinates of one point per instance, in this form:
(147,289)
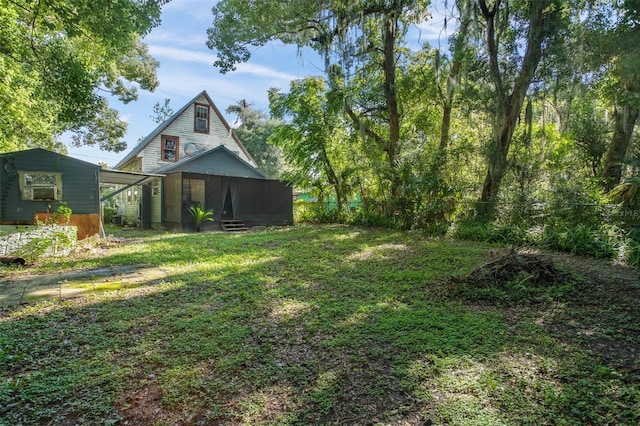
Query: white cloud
(182,55)
(163,37)
(125,117)
(265,72)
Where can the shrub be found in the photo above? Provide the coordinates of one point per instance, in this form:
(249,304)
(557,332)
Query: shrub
(200,215)
(49,239)
(315,212)
(582,239)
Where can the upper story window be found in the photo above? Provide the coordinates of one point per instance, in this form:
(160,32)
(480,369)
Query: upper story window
(40,186)
(201,119)
(169,148)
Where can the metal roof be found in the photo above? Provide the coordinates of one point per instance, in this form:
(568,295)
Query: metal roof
(235,167)
(120,177)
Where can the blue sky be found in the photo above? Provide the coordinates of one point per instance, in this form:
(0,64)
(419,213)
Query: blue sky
(186,68)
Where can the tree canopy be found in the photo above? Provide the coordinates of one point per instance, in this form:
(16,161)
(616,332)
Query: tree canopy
(526,117)
(254,128)
(59,59)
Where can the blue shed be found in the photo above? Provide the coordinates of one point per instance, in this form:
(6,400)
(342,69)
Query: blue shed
(37,181)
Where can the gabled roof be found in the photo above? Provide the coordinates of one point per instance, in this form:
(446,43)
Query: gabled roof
(220,161)
(158,130)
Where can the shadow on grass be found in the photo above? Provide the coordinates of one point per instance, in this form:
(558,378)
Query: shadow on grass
(309,325)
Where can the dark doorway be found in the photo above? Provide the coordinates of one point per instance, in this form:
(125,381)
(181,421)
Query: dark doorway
(230,200)
(145,208)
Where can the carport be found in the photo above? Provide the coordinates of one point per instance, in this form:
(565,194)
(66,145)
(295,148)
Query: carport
(126,179)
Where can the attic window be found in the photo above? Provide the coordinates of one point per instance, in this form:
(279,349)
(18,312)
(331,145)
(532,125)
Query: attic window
(169,148)
(201,119)
(40,186)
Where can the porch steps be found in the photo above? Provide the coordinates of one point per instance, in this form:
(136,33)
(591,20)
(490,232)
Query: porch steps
(233,225)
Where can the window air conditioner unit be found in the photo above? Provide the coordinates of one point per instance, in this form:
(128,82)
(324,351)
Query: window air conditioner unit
(44,193)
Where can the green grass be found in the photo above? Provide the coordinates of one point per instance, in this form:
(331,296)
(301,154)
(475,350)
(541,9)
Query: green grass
(311,325)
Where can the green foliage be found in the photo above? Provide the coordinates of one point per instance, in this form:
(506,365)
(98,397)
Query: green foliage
(312,138)
(314,212)
(467,122)
(601,242)
(56,58)
(109,212)
(48,238)
(162,112)
(589,131)
(488,232)
(200,215)
(62,214)
(254,131)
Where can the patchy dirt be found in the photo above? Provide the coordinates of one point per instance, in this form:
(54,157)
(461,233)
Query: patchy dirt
(603,316)
(592,303)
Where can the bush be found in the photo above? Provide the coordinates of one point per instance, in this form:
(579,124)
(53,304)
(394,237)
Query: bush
(109,213)
(488,232)
(314,212)
(582,239)
(49,239)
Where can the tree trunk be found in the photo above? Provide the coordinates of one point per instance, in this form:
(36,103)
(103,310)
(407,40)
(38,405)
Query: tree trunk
(452,83)
(391,98)
(624,122)
(508,105)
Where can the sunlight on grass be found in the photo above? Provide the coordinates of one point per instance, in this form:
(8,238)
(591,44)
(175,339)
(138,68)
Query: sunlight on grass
(304,325)
(289,309)
(379,252)
(272,403)
(348,236)
(99,286)
(325,391)
(457,387)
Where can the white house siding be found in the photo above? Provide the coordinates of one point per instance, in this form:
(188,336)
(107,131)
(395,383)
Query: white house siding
(182,127)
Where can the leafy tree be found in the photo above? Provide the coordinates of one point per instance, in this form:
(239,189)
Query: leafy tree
(515,35)
(312,136)
(449,72)
(619,35)
(254,131)
(589,131)
(364,38)
(57,57)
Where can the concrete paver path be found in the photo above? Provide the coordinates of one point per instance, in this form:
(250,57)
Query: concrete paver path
(22,289)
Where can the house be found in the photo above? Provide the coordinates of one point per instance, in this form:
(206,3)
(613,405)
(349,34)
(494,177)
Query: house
(34,183)
(203,163)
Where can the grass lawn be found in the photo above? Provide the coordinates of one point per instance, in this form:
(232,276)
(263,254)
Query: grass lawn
(322,325)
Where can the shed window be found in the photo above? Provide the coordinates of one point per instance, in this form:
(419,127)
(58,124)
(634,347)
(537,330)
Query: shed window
(201,119)
(40,186)
(155,188)
(169,151)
